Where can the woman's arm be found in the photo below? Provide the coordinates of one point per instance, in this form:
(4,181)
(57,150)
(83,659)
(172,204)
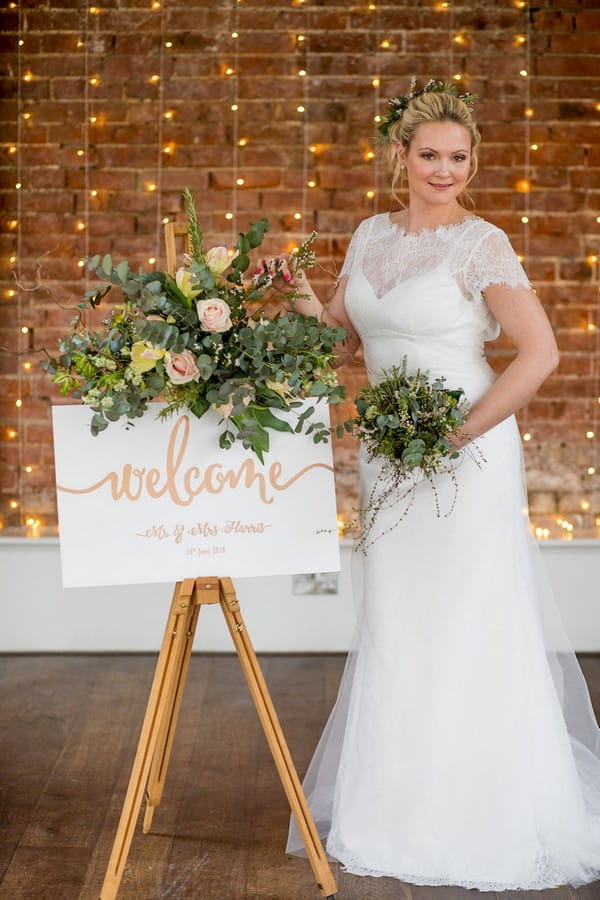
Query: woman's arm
(522,317)
(333,314)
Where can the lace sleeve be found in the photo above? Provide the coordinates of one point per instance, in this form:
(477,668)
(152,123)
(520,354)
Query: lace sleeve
(493,261)
(352,251)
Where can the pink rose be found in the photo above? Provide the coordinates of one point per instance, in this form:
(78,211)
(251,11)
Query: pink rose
(181,367)
(214,314)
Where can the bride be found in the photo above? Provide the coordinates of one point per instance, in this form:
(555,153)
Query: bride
(462,748)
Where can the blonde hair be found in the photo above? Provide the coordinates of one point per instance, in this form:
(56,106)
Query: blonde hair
(431,107)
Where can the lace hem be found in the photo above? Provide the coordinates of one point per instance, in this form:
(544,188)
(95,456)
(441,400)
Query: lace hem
(549,876)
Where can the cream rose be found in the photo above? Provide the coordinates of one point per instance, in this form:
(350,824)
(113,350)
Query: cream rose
(225,409)
(182,367)
(217,259)
(214,314)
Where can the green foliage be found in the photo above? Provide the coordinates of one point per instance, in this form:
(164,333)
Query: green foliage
(154,345)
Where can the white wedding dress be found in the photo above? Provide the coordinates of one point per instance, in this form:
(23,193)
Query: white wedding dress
(463,748)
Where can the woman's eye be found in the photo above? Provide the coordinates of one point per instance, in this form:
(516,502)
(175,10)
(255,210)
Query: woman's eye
(460,158)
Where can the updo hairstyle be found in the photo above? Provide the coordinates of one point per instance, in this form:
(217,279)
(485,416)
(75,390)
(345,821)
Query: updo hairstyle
(430,107)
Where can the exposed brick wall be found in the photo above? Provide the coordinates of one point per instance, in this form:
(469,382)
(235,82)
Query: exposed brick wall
(66,45)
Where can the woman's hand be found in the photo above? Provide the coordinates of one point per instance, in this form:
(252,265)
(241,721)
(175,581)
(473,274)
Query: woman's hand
(278,267)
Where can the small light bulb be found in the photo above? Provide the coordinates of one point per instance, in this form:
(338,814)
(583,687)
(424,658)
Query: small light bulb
(29,469)
(524,219)
(297,215)
(154,78)
(151,260)
(12,149)
(377,118)
(369,154)
(523,73)
(169,114)
(94,10)
(370,194)
(234,34)
(81,263)
(311,183)
(239,181)
(301,72)
(24,329)
(28,76)
(592,258)
(299,109)
(19,404)
(459,39)
(585,505)
(385,44)
(591,470)
(27,366)
(10,293)
(313,148)
(151,186)
(457,77)
(14,504)
(520,39)
(13,259)
(11,434)
(234,107)
(300,38)
(534,146)
(80,226)
(93,193)
(229,71)
(21,42)
(81,153)
(18,185)
(165,220)
(93,119)
(168,148)
(229,215)
(527,436)
(243,141)
(26,116)
(155,4)
(94,81)
(376,82)
(168,44)
(589,434)
(529,112)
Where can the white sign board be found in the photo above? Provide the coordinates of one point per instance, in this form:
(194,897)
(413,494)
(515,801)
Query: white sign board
(160,501)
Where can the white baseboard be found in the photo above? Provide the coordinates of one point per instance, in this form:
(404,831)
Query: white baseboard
(39,615)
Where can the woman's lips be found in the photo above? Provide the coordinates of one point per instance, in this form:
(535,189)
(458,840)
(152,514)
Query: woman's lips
(440,187)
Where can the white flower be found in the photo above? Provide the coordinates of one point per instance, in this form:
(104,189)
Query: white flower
(214,314)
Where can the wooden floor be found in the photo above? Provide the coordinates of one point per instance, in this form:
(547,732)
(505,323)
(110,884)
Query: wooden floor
(68,732)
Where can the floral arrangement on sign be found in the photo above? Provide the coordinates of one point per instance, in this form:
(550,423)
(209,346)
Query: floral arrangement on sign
(199,341)
(406,420)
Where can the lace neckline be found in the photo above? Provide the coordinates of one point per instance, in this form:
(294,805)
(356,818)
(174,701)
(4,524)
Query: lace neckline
(435,229)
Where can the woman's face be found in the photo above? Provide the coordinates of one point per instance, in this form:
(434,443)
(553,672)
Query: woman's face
(437,162)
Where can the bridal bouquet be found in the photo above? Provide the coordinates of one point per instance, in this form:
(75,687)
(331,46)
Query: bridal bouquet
(405,420)
(200,341)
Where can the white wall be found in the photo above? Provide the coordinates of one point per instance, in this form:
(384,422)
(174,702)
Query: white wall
(39,615)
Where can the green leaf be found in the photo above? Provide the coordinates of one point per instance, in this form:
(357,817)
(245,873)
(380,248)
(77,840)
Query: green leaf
(240,263)
(199,406)
(107,265)
(268,420)
(123,271)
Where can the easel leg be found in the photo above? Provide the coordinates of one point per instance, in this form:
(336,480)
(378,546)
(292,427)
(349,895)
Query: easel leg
(205,591)
(276,740)
(161,700)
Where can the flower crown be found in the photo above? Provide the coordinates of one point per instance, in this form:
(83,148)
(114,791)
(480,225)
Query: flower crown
(399,104)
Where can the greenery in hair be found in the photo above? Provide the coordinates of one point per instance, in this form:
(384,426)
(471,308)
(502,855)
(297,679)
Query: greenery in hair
(399,104)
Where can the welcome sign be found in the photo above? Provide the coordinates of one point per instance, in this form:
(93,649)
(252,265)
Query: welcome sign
(159,501)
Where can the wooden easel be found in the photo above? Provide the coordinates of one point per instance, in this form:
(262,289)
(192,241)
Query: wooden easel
(158,730)
(156,740)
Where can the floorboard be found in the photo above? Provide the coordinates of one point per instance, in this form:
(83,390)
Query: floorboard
(69,727)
